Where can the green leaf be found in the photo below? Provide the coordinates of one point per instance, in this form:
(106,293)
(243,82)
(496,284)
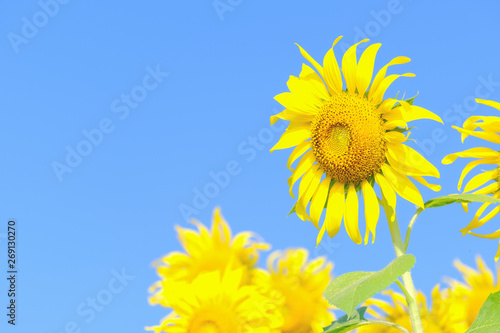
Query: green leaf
(293,209)
(488,318)
(452,198)
(346,323)
(351,289)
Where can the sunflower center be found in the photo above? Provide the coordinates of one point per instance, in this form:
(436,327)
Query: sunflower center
(348,138)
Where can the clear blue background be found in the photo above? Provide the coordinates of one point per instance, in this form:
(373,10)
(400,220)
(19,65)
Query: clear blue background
(117,209)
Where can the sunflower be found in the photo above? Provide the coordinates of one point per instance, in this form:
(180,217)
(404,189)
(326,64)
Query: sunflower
(296,285)
(444,317)
(490,128)
(478,285)
(349,139)
(218,303)
(207,251)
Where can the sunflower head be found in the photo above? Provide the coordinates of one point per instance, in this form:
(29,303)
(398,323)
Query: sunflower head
(477,286)
(296,285)
(217,303)
(348,138)
(207,251)
(444,316)
(486,182)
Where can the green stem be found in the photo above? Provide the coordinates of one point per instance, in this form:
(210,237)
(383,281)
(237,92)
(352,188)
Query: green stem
(410,226)
(400,250)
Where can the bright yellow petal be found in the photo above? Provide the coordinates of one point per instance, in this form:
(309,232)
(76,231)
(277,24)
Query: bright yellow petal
(413,112)
(489,189)
(320,234)
(412,159)
(303,186)
(297,152)
(364,71)
(311,60)
(331,71)
(480,180)
(319,199)
(387,193)
(291,116)
(476,223)
(381,73)
(478,152)
(421,180)
(335,209)
(299,103)
(351,215)
(402,185)
(349,64)
(292,138)
(372,209)
(491,137)
(493,235)
(305,163)
(472,165)
(309,82)
(493,104)
(378,95)
(395,137)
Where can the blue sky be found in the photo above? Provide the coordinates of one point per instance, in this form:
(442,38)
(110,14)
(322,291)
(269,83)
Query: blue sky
(159,97)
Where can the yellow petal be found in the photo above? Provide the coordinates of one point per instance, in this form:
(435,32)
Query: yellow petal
(476,223)
(395,137)
(299,103)
(320,234)
(292,138)
(413,112)
(478,152)
(480,180)
(493,235)
(311,189)
(493,104)
(402,185)
(472,165)
(364,71)
(303,186)
(412,159)
(489,189)
(421,180)
(291,116)
(309,82)
(311,60)
(297,152)
(372,209)
(220,228)
(381,73)
(331,71)
(319,199)
(351,215)
(335,209)
(492,137)
(305,163)
(349,64)
(387,193)
(378,94)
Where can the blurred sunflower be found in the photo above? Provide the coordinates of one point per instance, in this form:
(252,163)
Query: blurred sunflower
(215,302)
(296,285)
(350,139)
(490,128)
(478,285)
(207,251)
(445,316)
